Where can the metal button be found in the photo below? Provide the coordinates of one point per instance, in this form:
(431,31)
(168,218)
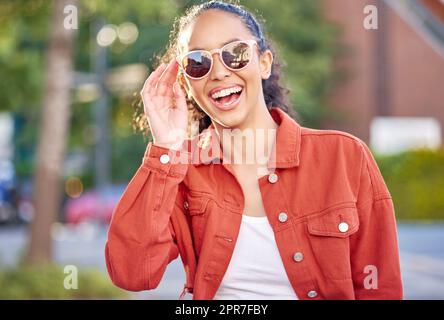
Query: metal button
(312,294)
(343,227)
(283,217)
(272,178)
(298,257)
(164,158)
(185,205)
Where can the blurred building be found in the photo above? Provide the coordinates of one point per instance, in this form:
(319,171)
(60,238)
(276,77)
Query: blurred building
(396,70)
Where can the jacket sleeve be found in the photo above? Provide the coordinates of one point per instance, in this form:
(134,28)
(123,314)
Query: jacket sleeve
(141,238)
(374,248)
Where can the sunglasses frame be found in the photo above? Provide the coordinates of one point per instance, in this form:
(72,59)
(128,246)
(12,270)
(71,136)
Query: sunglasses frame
(250,42)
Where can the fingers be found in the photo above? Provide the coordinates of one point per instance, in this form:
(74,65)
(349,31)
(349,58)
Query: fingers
(167,79)
(150,83)
(179,95)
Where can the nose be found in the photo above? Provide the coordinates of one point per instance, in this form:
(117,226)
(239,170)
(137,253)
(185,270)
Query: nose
(218,71)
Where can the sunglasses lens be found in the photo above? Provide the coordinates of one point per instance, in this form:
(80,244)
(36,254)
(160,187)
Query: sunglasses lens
(237,55)
(197,64)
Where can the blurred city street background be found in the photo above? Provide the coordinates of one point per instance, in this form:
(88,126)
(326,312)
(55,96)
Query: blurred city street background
(71,138)
(422,257)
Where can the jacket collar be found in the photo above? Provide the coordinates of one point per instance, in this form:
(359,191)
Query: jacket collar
(207,149)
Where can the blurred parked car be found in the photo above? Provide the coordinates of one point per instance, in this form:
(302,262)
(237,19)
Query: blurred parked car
(93,205)
(8,194)
(7,211)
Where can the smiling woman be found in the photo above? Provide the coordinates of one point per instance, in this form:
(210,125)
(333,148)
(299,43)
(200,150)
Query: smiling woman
(308,223)
(219,78)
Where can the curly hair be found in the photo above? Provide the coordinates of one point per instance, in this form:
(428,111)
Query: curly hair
(275,94)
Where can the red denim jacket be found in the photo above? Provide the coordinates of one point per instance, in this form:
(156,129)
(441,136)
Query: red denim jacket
(326,201)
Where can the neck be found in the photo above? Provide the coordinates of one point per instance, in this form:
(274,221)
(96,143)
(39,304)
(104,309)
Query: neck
(252,141)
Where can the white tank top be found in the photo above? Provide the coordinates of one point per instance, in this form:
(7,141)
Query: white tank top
(256,271)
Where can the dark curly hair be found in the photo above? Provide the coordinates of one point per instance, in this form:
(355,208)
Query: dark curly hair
(275,94)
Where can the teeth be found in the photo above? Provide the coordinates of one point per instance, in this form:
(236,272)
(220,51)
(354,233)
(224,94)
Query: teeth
(225,92)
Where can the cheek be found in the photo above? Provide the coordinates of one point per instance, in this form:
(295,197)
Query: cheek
(252,76)
(253,81)
(197,92)
(196,88)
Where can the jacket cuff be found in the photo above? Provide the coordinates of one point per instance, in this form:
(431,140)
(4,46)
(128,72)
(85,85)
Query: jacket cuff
(168,161)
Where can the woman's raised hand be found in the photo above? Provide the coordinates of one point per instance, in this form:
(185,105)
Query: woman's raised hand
(165,106)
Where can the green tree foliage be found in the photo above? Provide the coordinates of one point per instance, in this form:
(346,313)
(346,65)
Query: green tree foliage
(23,34)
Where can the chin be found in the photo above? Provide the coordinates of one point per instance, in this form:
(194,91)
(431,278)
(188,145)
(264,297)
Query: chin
(232,119)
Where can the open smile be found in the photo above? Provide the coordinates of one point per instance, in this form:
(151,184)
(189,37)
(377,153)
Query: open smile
(226,98)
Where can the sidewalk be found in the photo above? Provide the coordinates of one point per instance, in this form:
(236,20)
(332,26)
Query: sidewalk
(422,257)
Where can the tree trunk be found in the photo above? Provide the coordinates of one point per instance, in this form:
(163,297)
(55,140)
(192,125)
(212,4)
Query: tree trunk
(53,136)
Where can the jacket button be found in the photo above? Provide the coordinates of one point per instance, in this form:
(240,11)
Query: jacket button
(164,159)
(298,257)
(272,178)
(343,227)
(185,205)
(312,294)
(282,217)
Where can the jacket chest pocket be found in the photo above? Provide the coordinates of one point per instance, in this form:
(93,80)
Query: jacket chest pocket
(198,209)
(329,234)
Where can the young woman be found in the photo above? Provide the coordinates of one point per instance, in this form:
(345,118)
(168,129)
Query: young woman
(315,220)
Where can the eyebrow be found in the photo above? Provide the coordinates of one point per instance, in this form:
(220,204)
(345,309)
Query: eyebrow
(226,42)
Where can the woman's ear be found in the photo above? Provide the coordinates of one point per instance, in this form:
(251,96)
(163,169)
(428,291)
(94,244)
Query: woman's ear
(266,61)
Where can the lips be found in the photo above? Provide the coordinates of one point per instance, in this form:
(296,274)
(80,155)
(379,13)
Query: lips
(226,97)
(218,89)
